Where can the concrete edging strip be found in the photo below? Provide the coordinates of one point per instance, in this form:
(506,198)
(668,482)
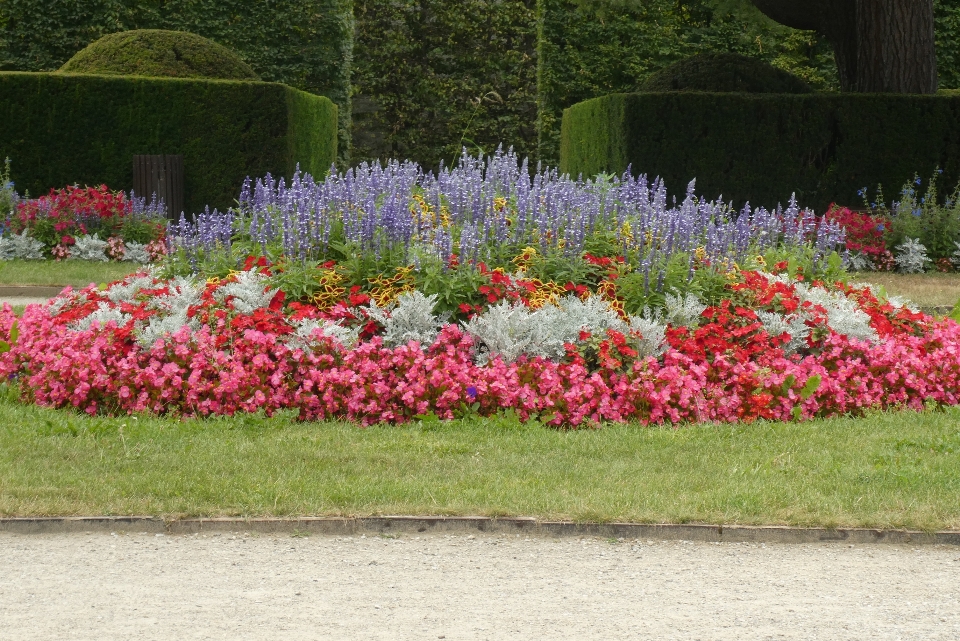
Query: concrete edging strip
(466,524)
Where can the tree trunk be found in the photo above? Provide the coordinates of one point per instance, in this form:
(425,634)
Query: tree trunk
(895,49)
(883,46)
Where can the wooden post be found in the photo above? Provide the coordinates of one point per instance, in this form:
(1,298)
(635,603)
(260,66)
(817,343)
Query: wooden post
(161,175)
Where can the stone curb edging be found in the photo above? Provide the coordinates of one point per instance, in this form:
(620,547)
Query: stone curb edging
(30,291)
(465,524)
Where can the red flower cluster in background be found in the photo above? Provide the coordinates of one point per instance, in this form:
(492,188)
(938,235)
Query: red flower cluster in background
(866,234)
(58,218)
(67,208)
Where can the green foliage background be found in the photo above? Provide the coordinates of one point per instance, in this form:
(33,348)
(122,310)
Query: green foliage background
(62,129)
(445,74)
(431,65)
(306,44)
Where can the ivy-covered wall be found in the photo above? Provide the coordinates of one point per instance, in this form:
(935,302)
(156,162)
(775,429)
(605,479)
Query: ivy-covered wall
(431,76)
(947,14)
(306,44)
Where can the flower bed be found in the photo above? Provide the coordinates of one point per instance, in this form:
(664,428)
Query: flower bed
(388,293)
(775,348)
(89,223)
(912,235)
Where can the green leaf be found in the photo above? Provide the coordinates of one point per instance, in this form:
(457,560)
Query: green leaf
(811,386)
(788,383)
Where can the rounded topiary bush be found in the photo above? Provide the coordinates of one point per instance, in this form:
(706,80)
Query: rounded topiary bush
(154,52)
(724,72)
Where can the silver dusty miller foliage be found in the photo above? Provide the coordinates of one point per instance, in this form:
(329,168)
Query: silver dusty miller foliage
(135,253)
(411,318)
(305,334)
(795,325)
(247,293)
(911,257)
(858,262)
(172,311)
(104,314)
(653,335)
(683,311)
(89,248)
(843,315)
(513,330)
(20,246)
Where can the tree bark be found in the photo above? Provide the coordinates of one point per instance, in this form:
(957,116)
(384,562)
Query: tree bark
(881,46)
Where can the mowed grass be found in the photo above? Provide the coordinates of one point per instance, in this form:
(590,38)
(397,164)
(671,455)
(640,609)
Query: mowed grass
(76,273)
(928,291)
(891,470)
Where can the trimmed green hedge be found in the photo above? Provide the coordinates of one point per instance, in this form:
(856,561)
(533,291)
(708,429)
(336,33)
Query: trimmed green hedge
(724,72)
(61,129)
(583,54)
(763,147)
(306,44)
(159,54)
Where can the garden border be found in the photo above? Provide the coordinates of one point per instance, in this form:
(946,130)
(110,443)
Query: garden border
(704,533)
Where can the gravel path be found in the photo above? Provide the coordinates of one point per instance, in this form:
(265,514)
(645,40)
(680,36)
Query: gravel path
(140,586)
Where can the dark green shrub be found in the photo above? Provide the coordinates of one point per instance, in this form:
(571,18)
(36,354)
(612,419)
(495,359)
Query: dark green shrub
(762,148)
(62,129)
(306,44)
(724,72)
(155,52)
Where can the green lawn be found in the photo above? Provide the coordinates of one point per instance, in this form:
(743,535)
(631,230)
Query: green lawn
(886,470)
(78,273)
(929,291)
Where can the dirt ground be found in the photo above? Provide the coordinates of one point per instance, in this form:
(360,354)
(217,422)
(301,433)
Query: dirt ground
(147,586)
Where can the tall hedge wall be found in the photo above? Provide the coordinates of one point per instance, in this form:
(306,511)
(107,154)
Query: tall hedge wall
(763,147)
(306,44)
(591,48)
(430,74)
(62,129)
